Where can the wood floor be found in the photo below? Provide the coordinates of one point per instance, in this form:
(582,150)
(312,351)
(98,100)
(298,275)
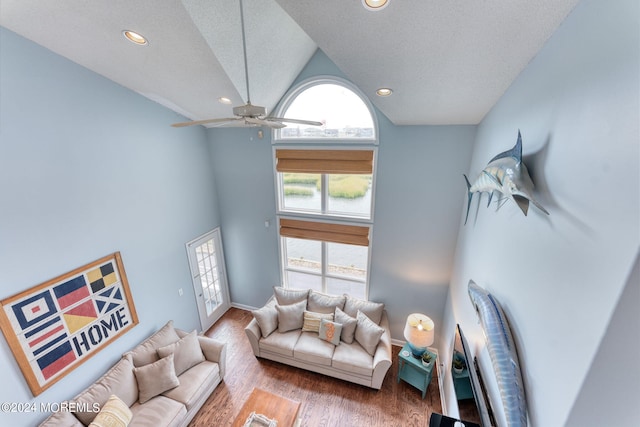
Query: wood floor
(325,401)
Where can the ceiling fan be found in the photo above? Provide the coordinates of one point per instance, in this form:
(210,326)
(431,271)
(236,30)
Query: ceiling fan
(251,115)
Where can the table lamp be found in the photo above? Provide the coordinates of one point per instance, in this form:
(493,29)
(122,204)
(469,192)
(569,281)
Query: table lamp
(418,331)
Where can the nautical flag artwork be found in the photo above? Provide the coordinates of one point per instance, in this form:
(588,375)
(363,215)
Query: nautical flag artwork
(54,327)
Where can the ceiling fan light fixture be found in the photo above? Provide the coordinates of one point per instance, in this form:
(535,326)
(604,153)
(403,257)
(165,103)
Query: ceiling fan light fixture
(375,5)
(384,91)
(134,37)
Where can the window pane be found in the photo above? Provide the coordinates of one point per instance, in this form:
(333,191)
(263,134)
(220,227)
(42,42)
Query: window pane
(343,113)
(347,260)
(301,191)
(298,280)
(303,253)
(350,194)
(339,287)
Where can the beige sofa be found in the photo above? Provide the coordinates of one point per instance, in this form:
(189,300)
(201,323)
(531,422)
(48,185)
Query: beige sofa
(163,381)
(292,328)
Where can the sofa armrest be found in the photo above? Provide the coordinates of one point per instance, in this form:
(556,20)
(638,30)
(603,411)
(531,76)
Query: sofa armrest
(253,333)
(214,351)
(382,356)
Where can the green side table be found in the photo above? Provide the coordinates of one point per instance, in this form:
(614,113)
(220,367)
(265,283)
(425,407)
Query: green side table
(412,371)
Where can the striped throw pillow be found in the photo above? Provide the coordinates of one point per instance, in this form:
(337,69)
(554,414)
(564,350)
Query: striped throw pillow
(312,320)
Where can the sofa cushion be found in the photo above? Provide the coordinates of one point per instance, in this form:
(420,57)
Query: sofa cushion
(286,296)
(310,349)
(291,316)
(352,358)
(348,325)
(368,333)
(323,303)
(159,411)
(267,318)
(145,353)
(312,319)
(193,382)
(156,378)
(373,310)
(114,413)
(281,343)
(118,380)
(186,352)
(330,331)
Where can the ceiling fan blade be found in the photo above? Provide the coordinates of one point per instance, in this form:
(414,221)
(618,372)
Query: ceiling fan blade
(298,121)
(204,122)
(264,122)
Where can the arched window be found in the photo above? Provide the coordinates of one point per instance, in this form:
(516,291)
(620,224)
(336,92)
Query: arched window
(338,105)
(325,187)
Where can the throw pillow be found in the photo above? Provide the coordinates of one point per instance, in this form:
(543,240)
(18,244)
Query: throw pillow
(118,380)
(186,352)
(330,331)
(312,319)
(323,303)
(348,325)
(291,316)
(145,353)
(156,378)
(373,310)
(368,333)
(286,296)
(114,413)
(267,318)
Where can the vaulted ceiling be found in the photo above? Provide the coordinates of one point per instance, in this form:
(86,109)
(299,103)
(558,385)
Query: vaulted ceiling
(447,62)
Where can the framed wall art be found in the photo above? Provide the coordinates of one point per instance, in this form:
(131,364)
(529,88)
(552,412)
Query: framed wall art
(56,326)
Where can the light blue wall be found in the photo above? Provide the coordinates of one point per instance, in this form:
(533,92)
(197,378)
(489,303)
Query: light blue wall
(560,277)
(417,207)
(88,168)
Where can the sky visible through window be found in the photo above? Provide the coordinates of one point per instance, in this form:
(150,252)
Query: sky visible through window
(343,113)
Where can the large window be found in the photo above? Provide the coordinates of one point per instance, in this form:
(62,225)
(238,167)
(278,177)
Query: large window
(336,183)
(327,257)
(344,114)
(326,192)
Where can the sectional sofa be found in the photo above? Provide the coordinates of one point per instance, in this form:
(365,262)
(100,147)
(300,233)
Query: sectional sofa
(163,381)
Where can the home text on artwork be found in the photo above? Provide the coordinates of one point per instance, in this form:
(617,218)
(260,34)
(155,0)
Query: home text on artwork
(54,327)
(92,337)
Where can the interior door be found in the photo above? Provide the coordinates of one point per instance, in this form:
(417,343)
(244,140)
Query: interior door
(206,261)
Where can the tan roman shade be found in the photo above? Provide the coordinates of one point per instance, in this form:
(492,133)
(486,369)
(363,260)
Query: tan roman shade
(336,233)
(325,161)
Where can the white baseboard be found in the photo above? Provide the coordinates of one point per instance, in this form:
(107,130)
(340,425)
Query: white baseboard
(243,307)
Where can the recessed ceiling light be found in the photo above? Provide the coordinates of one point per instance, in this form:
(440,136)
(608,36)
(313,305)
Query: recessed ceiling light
(134,37)
(224,100)
(384,91)
(375,4)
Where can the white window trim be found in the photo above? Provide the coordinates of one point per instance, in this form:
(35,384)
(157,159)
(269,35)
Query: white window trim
(321,216)
(291,95)
(323,258)
(335,144)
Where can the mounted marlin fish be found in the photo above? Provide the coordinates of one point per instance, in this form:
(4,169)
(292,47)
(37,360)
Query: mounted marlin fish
(502,351)
(506,174)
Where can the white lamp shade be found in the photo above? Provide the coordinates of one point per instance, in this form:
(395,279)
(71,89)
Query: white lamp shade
(419,330)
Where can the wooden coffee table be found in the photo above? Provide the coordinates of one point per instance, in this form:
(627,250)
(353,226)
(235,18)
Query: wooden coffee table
(275,407)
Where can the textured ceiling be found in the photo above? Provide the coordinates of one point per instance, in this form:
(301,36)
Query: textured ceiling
(448,62)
